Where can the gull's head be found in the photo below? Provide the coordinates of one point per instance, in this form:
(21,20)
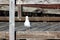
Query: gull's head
(26,16)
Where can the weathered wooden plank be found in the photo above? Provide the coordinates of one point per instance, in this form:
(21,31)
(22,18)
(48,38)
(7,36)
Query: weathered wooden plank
(50,6)
(42,18)
(31,34)
(33,18)
(4,1)
(33,1)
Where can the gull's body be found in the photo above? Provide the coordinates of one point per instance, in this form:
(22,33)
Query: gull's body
(27,23)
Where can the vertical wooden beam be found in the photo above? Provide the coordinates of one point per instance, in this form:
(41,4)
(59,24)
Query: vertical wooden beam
(11,19)
(19,11)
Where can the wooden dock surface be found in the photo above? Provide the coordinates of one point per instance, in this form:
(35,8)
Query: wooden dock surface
(39,26)
(35,26)
(44,30)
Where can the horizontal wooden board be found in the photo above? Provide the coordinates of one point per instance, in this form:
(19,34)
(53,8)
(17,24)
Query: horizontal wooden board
(32,18)
(50,6)
(28,34)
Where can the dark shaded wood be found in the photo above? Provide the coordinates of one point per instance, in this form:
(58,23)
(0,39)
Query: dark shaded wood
(50,6)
